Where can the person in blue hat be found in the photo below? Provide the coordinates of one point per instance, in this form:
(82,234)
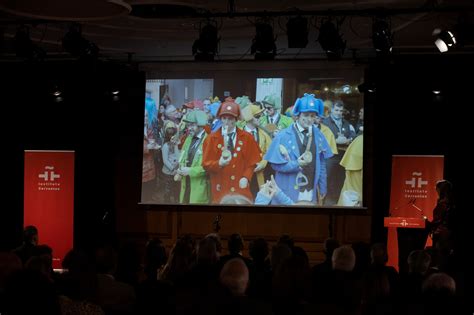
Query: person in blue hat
(298,155)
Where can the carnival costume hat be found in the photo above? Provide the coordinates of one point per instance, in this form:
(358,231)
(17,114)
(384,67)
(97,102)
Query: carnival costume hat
(308,104)
(196,117)
(249,112)
(151,109)
(229,107)
(170,109)
(243,101)
(272,100)
(214,107)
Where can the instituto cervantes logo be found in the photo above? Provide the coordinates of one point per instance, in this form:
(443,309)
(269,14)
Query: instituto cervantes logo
(415,187)
(49,179)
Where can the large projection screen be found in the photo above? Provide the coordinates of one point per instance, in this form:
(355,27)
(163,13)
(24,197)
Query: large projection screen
(242,136)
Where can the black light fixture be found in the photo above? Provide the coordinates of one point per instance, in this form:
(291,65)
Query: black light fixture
(445,39)
(205,47)
(297,32)
(263,45)
(331,40)
(24,46)
(76,45)
(382,37)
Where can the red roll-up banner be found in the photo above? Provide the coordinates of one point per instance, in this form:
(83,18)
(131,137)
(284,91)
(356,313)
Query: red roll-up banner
(49,199)
(412,193)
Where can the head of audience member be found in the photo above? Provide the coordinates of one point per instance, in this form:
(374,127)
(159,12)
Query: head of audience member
(235,244)
(207,252)
(155,255)
(287,240)
(291,281)
(106,259)
(343,259)
(378,254)
(418,262)
(30,235)
(180,259)
(362,252)
(235,199)
(280,252)
(9,263)
(258,250)
(330,244)
(41,263)
(439,285)
(30,292)
(235,276)
(300,252)
(217,239)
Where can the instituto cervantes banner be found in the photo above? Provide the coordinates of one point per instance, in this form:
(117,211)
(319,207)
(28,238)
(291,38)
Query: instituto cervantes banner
(412,193)
(49,199)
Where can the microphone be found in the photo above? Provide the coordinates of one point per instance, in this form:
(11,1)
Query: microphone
(216,225)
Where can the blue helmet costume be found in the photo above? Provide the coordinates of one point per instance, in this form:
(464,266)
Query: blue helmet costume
(308,104)
(284,152)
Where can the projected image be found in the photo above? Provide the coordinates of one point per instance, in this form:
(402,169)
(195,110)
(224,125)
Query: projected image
(277,141)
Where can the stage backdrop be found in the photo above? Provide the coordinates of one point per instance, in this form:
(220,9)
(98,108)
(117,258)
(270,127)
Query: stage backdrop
(413,192)
(49,199)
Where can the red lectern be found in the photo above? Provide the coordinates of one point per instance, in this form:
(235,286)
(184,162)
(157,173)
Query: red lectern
(402,222)
(411,234)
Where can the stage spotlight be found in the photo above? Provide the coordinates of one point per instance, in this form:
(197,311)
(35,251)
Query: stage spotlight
(382,37)
(205,48)
(76,45)
(367,87)
(263,45)
(25,48)
(444,39)
(331,41)
(297,32)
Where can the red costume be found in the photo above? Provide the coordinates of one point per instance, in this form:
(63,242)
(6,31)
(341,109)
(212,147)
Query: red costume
(245,156)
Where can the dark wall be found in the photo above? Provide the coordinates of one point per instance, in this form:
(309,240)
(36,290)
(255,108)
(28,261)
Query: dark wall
(404,116)
(88,120)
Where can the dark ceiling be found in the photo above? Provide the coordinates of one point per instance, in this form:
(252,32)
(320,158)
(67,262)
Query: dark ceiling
(165,30)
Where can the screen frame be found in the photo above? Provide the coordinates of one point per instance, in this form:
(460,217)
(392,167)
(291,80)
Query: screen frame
(277,68)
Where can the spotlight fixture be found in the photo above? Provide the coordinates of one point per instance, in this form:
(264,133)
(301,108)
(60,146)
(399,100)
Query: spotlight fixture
(382,37)
(297,32)
(367,87)
(205,48)
(263,45)
(76,45)
(331,40)
(25,48)
(444,39)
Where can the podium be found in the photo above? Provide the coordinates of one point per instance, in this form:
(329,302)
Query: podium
(411,235)
(402,222)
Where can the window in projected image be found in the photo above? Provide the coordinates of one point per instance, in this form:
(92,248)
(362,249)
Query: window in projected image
(283,141)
